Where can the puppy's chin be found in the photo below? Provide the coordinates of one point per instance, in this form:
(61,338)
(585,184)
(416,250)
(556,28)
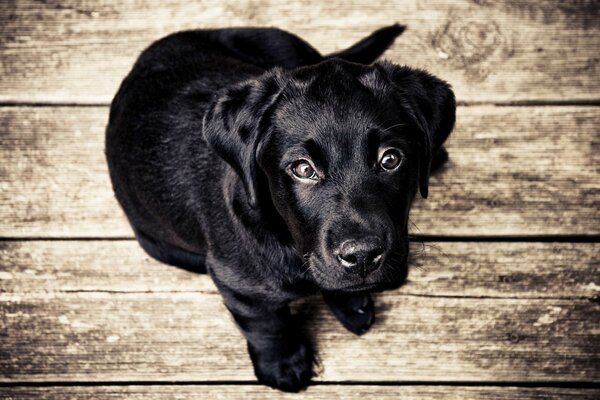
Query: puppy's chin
(388,276)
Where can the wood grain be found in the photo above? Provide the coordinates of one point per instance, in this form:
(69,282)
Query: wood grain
(121,337)
(329,392)
(68,51)
(462,269)
(101,311)
(79,312)
(512,171)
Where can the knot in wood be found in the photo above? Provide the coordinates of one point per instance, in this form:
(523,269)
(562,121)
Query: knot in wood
(473,46)
(514,337)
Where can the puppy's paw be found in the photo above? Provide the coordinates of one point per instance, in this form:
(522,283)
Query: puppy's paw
(356,312)
(289,371)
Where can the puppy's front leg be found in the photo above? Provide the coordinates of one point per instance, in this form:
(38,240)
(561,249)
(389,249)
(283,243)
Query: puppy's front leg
(282,356)
(354,310)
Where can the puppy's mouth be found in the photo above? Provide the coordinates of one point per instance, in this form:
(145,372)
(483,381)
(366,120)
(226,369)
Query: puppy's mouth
(390,275)
(369,287)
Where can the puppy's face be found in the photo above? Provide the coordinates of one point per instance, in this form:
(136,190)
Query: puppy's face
(344,152)
(342,168)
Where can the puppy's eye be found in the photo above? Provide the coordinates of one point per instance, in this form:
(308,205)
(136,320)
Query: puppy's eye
(303,170)
(391,159)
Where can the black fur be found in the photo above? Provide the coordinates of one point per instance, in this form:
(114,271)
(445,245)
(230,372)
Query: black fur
(202,139)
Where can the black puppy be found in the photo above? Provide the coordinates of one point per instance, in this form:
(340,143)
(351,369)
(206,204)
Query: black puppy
(246,154)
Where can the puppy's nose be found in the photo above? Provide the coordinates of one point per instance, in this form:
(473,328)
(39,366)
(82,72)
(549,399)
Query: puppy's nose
(361,256)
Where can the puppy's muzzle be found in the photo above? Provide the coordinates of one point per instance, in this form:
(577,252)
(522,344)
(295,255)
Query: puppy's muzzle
(361,256)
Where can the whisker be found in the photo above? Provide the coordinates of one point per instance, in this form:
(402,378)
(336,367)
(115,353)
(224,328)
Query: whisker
(394,126)
(436,248)
(411,222)
(305,263)
(388,275)
(421,250)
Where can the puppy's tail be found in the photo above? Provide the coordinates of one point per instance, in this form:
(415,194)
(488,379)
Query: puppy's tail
(370,48)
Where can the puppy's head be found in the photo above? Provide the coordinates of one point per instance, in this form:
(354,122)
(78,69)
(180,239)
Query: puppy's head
(344,148)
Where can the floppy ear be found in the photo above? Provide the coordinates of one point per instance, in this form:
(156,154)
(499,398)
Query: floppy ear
(430,103)
(236,121)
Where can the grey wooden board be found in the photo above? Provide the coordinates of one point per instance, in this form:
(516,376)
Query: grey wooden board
(99,311)
(512,171)
(106,336)
(102,311)
(329,392)
(78,51)
(462,269)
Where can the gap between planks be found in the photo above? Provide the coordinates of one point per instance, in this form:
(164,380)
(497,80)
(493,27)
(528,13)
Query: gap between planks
(521,103)
(315,392)
(414,238)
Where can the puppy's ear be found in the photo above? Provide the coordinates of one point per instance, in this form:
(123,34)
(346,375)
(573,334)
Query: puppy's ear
(430,103)
(237,120)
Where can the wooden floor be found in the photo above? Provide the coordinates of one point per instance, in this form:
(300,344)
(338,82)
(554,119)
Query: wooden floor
(503,298)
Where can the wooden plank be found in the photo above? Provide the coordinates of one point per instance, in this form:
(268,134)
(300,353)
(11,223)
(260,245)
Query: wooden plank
(78,51)
(100,311)
(103,336)
(319,392)
(53,176)
(512,171)
(462,269)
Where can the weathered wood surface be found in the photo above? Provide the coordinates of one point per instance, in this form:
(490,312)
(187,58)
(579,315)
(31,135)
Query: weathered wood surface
(102,311)
(512,171)
(75,311)
(329,392)
(78,51)
(104,336)
(462,269)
